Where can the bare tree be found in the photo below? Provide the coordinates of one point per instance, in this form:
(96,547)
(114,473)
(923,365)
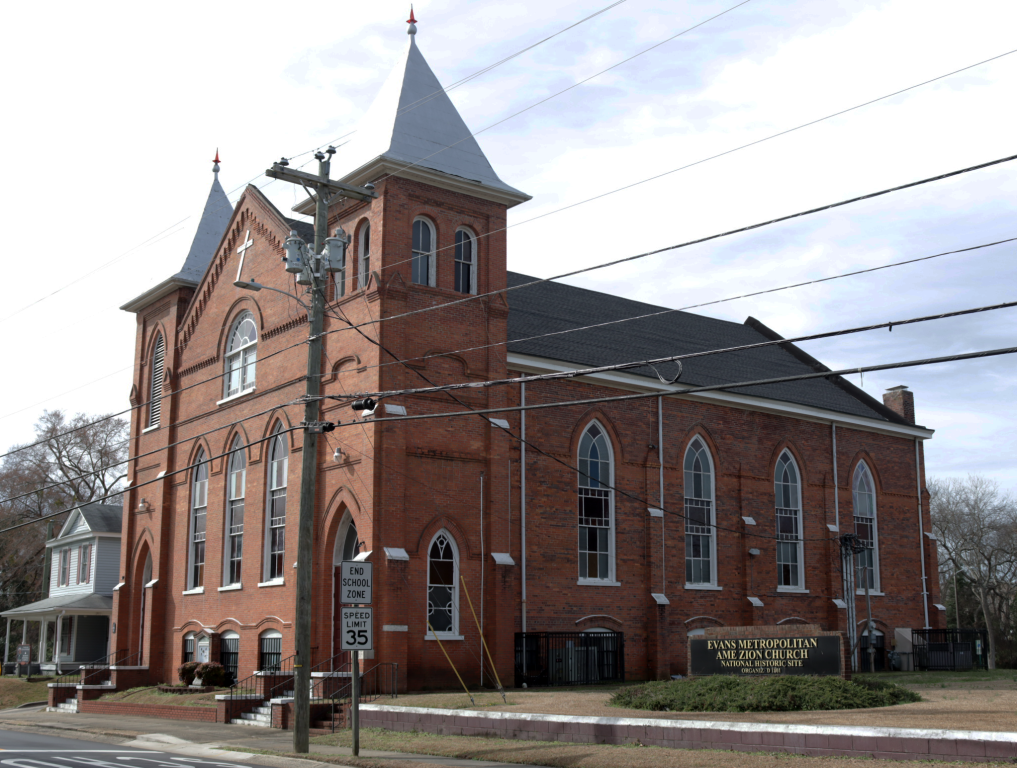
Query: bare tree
(72,461)
(976,525)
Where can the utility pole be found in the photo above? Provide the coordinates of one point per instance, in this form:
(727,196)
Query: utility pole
(312,271)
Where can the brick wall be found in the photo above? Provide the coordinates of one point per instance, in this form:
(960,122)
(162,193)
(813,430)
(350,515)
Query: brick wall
(126,709)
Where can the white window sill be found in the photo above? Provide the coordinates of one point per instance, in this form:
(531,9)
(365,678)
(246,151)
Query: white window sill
(872,592)
(195,591)
(146,430)
(231,587)
(598,583)
(793,590)
(236,396)
(708,587)
(273,583)
(442,636)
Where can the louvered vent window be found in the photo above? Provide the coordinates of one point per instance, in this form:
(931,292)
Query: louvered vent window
(158,372)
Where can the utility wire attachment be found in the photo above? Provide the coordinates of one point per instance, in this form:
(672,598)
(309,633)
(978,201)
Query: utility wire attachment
(669,381)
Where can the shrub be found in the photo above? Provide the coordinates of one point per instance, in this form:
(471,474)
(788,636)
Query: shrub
(212,673)
(765,694)
(187,672)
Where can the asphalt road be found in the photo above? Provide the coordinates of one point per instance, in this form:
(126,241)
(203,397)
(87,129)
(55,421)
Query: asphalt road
(28,750)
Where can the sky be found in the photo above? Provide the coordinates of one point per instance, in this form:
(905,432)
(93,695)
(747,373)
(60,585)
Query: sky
(116,111)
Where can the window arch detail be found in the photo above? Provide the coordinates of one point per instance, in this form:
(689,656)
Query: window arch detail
(787,493)
(423,260)
(275,510)
(236,490)
(199,510)
(700,516)
(863,497)
(443,586)
(156,378)
(241,356)
(465,262)
(596,505)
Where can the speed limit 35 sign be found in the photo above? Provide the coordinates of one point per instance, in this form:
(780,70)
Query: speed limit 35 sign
(357,629)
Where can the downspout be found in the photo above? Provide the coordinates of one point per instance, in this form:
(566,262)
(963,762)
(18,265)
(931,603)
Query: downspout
(836,489)
(660,456)
(921,533)
(522,502)
(481,579)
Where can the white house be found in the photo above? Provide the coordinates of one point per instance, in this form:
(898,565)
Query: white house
(75,618)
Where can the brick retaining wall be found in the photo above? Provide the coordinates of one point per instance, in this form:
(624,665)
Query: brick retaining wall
(821,740)
(195,714)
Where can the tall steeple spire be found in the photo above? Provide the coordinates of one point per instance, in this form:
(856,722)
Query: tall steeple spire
(413,122)
(215,217)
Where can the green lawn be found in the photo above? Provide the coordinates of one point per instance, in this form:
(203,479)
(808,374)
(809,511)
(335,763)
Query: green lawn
(15,691)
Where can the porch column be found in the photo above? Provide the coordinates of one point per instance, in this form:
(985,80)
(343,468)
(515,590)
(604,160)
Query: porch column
(56,641)
(43,631)
(7,641)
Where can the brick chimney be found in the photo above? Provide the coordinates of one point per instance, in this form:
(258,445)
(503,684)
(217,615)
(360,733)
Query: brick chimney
(901,401)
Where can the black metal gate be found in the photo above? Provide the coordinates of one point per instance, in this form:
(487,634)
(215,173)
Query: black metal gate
(950,649)
(270,654)
(229,657)
(569,658)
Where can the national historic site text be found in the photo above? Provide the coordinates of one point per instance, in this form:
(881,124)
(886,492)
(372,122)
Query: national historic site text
(766,656)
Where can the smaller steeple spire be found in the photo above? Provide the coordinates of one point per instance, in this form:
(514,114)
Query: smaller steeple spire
(412,22)
(215,163)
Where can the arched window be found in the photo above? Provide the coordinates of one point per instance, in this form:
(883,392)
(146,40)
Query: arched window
(863,495)
(199,508)
(423,253)
(155,380)
(788,507)
(364,268)
(241,354)
(443,585)
(700,543)
(229,654)
(351,544)
(339,276)
(236,489)
(188,647)
(278,468)
(596,506)
(269,650)
(466,262)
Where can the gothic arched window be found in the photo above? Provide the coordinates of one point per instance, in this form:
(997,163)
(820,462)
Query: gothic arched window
(241,354)
(158,372)
(275,517)
(443,585)
(700,541)
(788,508)
(596,505)
(364,268)
(423,252)
(236,490)
(466,262)
(863,494)
(199,508)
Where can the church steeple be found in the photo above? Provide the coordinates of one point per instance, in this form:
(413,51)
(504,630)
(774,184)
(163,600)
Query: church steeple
(413,121)
(215,217)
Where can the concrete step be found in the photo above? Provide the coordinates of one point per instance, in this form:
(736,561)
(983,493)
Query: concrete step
(68,706)
(253,723)
(256,716)
(263,710)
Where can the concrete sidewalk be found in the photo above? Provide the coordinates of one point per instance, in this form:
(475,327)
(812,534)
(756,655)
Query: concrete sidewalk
(207,740)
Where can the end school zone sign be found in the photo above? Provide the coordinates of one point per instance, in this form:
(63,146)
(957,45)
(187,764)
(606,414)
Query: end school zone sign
(356,583)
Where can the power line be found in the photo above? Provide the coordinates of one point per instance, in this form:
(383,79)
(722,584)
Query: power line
(696,306)
(687,243)
(129,459)
(725,152)
(146,482)
(571,374)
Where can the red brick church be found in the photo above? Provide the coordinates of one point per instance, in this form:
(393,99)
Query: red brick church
(652,519)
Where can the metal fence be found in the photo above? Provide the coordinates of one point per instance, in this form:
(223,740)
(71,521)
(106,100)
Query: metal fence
(569,658)
(950,649)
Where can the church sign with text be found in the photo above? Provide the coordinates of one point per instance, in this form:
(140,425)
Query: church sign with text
(815,655)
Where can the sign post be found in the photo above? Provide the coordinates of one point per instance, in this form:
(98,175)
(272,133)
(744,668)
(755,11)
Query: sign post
(24,656)
(356,588)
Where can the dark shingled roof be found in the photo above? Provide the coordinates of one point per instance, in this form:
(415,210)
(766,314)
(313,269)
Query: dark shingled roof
(549,307)
(303,228)
(103,518)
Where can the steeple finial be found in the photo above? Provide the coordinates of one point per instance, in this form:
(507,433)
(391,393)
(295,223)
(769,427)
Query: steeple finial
(215,163)
(412,22)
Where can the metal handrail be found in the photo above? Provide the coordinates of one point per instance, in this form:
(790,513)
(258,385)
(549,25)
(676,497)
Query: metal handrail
(316,686)
(97,667)
(249,685)
(370,687)
(75,676)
